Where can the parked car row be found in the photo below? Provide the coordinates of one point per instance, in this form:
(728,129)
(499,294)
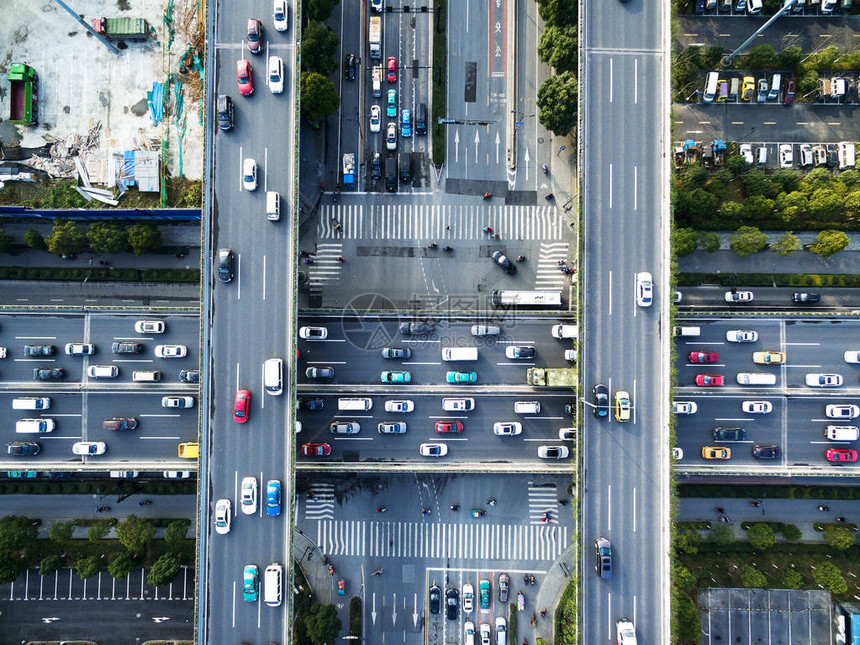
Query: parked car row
(33,448)
(754,7)
(746,89)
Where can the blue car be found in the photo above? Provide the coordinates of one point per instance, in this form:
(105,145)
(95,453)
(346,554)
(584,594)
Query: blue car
(273,498)
(406,123)
(21,474)
(462,377)
(391,107)
(250,583)
(395,377)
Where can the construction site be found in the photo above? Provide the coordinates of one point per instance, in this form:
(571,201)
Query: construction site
(112,98)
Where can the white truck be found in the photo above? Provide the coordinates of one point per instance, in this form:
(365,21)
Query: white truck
(375,37)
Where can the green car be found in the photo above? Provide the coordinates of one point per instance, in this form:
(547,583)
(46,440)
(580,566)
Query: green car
(462,377)
(395,377)
(250,583)
(391,108)
(484,593)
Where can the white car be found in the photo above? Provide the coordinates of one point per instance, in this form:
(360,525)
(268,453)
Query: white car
(757,407)
(625,632)
(89,448)
(391,137)
(486,330)
(249,174)
(149,326)
(80,349)
(644,289)
(102,371)
(746,153)
(567,434)
(469,601)
(742,336)
(553,452)
(433,449)
(375,118)
(507,429)
(399,406)
(786,156)
(851,357)
(171,351)
(313,333)
(848,411)
(823,380)
(677,453)
(376,5)
(249,495)
(684,407)
(501,630)
(739,296)
(280,15)
(276,74)
(181,402)
(176,474)
(468,628)
(223,516)
(806,159)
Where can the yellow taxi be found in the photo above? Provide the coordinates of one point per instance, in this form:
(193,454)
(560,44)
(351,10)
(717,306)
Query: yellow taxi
(716,452)
(622,406)
(768,358)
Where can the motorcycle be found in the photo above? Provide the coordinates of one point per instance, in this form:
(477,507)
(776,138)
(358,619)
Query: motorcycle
(426,511)
(840,519)
(488,195)
(381,509)
(491,502)
(545,169)
(455,507)
(478,512)
(549,197)
(521,258)
(824,508)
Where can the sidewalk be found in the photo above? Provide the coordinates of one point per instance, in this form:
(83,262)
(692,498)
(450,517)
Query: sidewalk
(724,261)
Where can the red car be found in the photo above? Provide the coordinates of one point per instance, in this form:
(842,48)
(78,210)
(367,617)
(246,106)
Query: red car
(244,77)
(703,357)
(240,408)
(391,64)
(316,449)
(709,380)
(841,454)
(449,426)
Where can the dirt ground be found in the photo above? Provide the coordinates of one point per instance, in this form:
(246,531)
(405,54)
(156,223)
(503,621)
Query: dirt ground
(88,91)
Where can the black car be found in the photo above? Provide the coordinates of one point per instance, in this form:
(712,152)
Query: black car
(48,374)
(225,265)
(502,260)
(376,165)
(126,348)
(452,604)
(435,599)
(832,155)
(349,67)
(416,328)
(800,298)
(39,350)
(729,434)
(603,558)
(320,372)
(600,399)
(22,448)
(700,7)
(570,409)
(311,404)
(396,352)
(766,452)
(189,376)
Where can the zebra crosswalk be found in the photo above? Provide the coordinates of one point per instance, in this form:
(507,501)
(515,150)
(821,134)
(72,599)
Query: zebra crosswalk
(543,500)
(326,267)
(548,275)
(478,540)
(439,222)
(319,504)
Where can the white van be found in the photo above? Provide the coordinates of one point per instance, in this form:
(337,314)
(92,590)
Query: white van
(775,83)
(846,155)
(756,378)
(688,331)
(761,157)
(459,353)
(842,433)
(565,331)
(527,407)
(710,87)
(273,376)
(754,7)
(31,403)
(34,426)
(355,404)
(146,376)
(273,206)
(272,584)
(458,405)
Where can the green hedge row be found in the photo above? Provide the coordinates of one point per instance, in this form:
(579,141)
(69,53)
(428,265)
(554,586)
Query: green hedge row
(78,274)
(112,487)
(769,279)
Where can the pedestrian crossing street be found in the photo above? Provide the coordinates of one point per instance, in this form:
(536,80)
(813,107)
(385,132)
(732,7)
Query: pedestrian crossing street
(319,504)
(479,540)
(548,275)
(439,223)
(326,266)
(542,500)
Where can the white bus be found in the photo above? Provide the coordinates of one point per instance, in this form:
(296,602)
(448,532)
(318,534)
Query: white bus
(546,298)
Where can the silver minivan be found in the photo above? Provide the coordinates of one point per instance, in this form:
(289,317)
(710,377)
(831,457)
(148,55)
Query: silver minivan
(272,582)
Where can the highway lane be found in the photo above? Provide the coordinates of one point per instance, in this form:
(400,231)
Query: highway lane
(250,322)
(625,465)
